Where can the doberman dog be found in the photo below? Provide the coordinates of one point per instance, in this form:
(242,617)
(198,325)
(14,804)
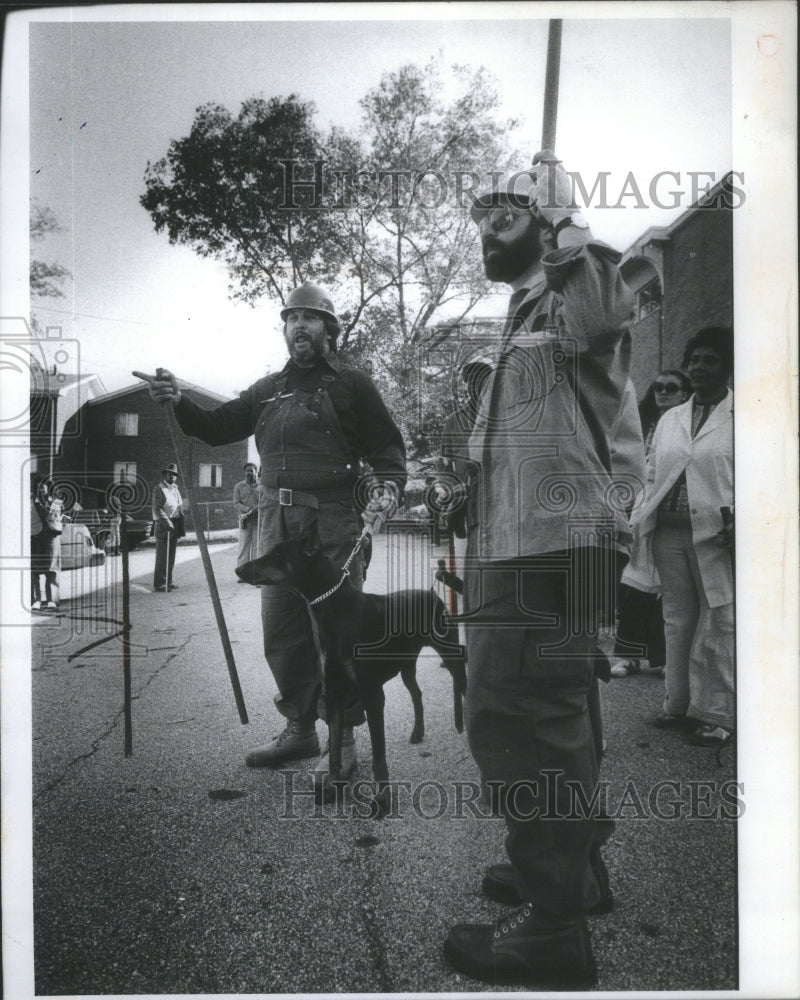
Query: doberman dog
(366,639)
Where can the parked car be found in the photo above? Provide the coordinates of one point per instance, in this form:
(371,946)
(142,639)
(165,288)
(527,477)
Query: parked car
(98,521)
(78,549)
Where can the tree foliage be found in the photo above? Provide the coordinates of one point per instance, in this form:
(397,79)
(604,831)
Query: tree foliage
(378,215)
(45,276)
(220,189)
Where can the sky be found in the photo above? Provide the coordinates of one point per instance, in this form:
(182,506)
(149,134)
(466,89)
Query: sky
(106,97)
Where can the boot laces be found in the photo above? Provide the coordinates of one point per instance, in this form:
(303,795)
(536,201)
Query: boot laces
(292,728)
(515,919)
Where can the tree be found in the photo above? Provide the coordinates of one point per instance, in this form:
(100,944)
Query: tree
(429,134)
(45,276)
(221,191)
(379,216)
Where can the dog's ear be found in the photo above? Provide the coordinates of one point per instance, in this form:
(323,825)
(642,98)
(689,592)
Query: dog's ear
(248,572)
(310,540)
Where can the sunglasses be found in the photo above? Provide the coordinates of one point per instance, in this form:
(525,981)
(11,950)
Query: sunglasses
(668,387)
(498,221)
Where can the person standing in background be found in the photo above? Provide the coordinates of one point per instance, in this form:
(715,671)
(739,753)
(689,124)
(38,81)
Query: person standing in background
(640,621)
(50,511)
(245,500)
(167,506)
(682,525)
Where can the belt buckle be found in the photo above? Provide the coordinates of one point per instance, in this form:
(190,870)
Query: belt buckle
(285,497)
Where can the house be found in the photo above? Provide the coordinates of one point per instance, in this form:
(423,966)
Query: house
(682,277)
(58,392)
(125,438)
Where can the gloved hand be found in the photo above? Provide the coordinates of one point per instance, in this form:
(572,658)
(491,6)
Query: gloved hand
(552,188)
(449,499)
(381,507)
(163,386)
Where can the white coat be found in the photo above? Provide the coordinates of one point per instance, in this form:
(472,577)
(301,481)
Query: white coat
(708,462)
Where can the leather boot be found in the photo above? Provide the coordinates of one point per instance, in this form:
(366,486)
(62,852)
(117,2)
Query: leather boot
(521,949)
(297,742)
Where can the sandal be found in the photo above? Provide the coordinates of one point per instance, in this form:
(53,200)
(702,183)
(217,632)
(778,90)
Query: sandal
(709,735)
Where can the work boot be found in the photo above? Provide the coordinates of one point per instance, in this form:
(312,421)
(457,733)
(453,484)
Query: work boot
(521,949)
(323,789)
(297,742)
(499,885)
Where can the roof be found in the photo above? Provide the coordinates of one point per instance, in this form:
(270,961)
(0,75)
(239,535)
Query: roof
(139,386)
(54,384)
(656,234)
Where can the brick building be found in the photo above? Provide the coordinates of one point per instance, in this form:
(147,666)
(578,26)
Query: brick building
(682,275)
(125,439)
(56,397)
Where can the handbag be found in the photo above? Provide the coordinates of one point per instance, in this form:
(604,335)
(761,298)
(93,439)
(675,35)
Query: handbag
(179,526)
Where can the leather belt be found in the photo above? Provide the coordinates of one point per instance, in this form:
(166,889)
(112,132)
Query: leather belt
(291,498)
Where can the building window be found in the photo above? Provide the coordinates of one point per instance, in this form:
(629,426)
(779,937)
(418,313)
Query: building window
(648,299)
(124,472)
(126,424)
(210,475)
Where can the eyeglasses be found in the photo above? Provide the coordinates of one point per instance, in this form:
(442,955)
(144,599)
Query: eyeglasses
(668,387)
(498,221)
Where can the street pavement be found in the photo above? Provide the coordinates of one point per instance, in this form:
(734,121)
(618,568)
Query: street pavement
(180,870)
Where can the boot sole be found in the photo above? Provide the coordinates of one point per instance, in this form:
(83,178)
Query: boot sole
(273,764)
(551,981)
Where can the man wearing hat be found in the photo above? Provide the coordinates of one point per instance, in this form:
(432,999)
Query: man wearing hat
(314,422)
(543,524)
(167,505)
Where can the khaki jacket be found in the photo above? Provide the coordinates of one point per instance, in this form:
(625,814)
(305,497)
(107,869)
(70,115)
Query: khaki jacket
(543,437)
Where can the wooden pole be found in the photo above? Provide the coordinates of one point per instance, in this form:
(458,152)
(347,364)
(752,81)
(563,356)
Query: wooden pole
(209,570)
(210,578)
(551,86)
(172,423)
(126,632)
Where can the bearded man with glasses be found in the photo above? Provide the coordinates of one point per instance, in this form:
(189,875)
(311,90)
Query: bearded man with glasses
(543,525)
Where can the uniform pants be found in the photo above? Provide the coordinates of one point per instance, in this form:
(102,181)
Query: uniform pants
(699,675)
(531,650)
(165,556)
(290,642)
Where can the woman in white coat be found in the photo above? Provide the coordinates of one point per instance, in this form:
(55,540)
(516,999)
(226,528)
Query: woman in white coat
(681,522)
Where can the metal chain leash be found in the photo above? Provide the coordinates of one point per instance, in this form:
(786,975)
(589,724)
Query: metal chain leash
(346,567)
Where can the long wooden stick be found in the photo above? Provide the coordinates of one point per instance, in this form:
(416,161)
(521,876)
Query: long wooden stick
(209,570)
(551,86)
(126,631)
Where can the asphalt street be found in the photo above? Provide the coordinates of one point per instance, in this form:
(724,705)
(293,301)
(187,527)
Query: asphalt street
(180,870)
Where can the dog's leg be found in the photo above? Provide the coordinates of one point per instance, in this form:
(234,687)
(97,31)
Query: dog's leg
(373,702)
(409,675)
(334,785)
(459,687)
